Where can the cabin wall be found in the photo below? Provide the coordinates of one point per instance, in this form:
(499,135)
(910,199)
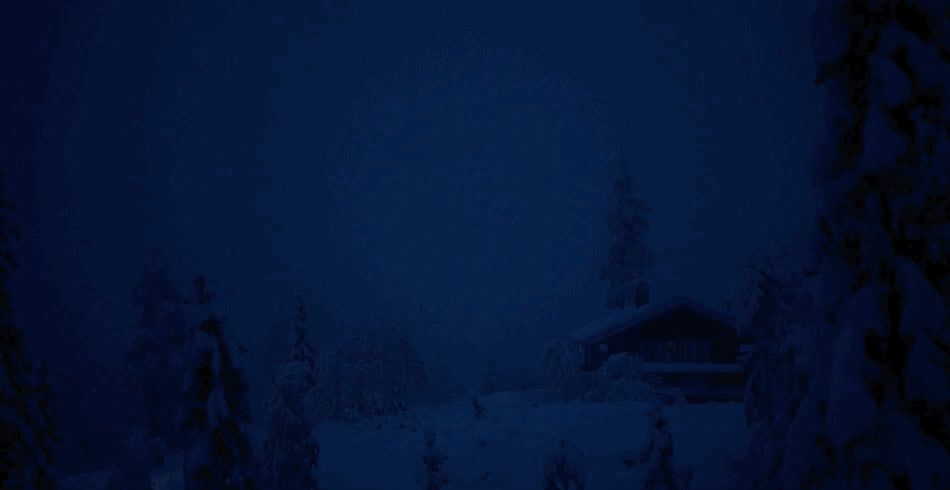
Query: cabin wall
(681,335)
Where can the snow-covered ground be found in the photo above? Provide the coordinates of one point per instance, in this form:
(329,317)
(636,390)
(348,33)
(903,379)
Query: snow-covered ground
(506,448)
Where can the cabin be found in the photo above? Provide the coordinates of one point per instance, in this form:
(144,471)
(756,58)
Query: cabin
(682,343)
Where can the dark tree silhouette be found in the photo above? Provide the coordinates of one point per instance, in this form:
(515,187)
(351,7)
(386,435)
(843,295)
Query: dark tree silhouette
(877,413)
(26,429)
(154,360)
(628,257)
(218,451)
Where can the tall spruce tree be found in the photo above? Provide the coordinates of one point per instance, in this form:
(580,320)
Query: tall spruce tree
(877,414)
(291,451)
(628,257)
(26,429)
(218,451)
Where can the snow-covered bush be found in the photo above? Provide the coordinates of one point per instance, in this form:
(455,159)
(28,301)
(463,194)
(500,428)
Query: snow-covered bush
(619,378)
(562,368)
(564,468)
(433,459)
(621,366)
(372,374)
(658,457)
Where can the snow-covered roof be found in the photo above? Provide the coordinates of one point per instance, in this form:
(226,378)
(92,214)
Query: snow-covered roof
(631,316)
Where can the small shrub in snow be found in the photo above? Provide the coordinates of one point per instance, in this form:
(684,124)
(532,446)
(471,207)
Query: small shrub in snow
(564,468)
(433,459)
(658,456)
(619,378)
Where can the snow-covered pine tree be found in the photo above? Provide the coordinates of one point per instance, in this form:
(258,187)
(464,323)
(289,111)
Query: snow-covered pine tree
(628,257)
(878,412)
(26,429)
(154,360)
(218,451)
(291,451)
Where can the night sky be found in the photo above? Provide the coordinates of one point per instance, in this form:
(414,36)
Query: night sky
(441,164)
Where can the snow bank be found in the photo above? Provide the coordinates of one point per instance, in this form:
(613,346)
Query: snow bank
(506,448)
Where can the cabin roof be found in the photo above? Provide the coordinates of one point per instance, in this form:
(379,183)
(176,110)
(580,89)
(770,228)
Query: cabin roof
(631,317)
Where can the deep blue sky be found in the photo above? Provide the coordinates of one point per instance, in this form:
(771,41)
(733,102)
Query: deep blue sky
(442,164)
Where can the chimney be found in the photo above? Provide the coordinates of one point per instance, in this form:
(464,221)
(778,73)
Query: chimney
(642,295)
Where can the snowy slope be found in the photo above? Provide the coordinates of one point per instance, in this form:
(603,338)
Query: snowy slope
(506,448)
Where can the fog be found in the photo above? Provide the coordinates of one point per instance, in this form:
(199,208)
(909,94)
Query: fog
(444,167)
